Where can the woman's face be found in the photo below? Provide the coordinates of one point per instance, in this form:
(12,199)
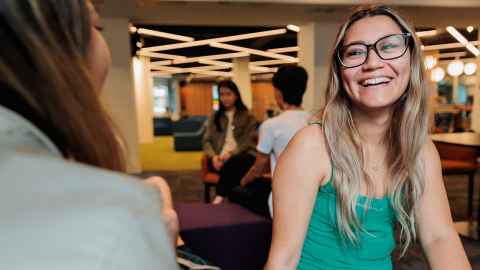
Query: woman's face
(98,54)
(377,83)
(227,97)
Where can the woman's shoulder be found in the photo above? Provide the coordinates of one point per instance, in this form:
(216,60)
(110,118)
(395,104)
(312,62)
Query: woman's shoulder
(310,137)
(307,150)
(429,154)
(41,171)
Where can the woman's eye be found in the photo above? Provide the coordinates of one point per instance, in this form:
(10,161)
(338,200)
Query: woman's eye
(389,46)
(355,52)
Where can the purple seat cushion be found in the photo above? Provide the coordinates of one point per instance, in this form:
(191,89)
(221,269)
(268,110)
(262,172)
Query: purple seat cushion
(227,234)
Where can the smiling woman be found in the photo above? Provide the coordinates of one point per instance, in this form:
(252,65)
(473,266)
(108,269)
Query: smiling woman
(368,165)
(375,75)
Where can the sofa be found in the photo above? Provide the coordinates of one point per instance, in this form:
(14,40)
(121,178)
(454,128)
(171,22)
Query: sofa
(188,133)
(162,126)
(227,235)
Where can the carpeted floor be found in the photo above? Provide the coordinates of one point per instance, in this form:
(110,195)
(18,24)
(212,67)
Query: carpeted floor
(187,187)
(159,155)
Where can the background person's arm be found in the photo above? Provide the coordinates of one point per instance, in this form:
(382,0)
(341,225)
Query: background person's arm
(258,169)
(207,138)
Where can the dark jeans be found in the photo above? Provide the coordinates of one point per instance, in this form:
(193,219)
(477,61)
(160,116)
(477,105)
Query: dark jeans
(253,196)
(232,172)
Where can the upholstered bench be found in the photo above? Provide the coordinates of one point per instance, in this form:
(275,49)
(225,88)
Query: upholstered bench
(227,234)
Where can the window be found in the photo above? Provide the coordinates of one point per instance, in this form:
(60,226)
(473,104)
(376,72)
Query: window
(215,97)
(163,96)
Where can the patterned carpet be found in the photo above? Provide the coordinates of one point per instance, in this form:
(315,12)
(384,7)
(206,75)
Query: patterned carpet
(187,187)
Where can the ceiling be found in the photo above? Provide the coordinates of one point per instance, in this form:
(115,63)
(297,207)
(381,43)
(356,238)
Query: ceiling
(437,3)
(288,39)
(266,43)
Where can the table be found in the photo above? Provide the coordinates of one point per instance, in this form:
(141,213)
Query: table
(468,146)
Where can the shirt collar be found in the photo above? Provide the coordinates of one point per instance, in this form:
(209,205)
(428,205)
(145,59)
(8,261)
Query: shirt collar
(19,134)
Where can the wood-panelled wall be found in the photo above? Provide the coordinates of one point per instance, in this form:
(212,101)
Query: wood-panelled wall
(263,97)
(196,98)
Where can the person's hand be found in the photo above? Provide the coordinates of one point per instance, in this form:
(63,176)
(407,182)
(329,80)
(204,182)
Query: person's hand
(170,217)
(172,224)
(243,182)
(226,156)
(217,163)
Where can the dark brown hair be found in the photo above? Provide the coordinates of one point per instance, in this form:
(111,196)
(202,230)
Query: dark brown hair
(44,77)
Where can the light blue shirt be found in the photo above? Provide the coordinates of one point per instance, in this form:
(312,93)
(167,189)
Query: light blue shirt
(57,215)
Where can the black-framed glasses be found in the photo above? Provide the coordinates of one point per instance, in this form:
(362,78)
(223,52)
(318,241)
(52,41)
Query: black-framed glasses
(387,48)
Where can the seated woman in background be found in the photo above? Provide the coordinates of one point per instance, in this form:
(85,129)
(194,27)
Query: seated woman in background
(229,140)
(369,165)
(56,212)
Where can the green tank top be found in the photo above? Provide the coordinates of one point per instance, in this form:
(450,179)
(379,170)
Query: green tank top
(323,248)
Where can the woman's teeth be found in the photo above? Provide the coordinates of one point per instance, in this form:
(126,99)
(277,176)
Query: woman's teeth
(375,81)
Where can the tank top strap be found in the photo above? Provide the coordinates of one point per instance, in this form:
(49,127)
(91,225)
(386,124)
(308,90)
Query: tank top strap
(316,122)
(329,183)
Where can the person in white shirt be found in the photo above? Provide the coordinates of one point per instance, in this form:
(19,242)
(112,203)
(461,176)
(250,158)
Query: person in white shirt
(290,82)
(64,201)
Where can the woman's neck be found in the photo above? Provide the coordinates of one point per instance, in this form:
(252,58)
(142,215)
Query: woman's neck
(231,109)
(290,107)
(372,124)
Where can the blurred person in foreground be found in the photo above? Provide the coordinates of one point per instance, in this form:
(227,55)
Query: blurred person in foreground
(63,206)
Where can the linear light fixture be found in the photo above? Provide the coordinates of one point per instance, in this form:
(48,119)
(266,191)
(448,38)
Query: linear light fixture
(293,28)
(168,69)
(216,63)
(161,74)
(285,49)
(252,67)
(221,39)
(162,63)
(273,62)
(161,55)
(211,57)
(446,46)
(454,55)
(252,51)
(463,40)
(259,69)
(212,73)
(208,68)
(153,33)
(426,33)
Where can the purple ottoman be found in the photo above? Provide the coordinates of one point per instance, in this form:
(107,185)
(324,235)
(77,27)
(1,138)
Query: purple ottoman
(227,235)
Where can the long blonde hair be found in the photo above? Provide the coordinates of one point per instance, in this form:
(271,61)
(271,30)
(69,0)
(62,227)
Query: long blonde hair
(45,78)
(404,139)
